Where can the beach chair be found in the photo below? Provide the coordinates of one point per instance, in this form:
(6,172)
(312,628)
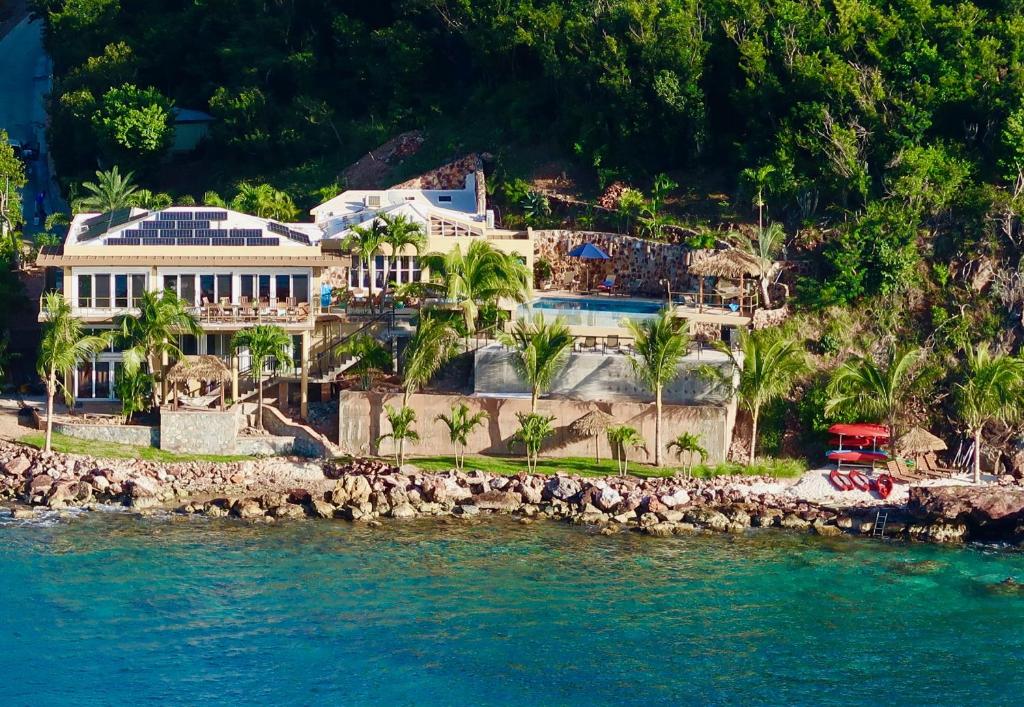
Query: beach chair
(569,281)
(930,466)
(611,343)
(607,285)
(589,344)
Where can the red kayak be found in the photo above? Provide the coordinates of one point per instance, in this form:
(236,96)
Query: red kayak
(883,485)
(856,455)
(859,481)
(840,481)
(861,431)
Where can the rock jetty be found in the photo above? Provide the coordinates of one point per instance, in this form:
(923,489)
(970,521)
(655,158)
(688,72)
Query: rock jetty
(370,490)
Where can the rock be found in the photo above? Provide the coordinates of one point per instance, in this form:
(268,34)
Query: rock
(607,499)
(661,530)
(299,496)
(142,492)
(939,532)
(247,509)
(793,521)
(707,518)
(529,493)
(825,530)
(24,513)
(562,488)
(403,510)
(40,484)
(504,501)
(100,483)
(988,510)
(675,500)
(671,516)
(467,510)
(17,466)
(321,509)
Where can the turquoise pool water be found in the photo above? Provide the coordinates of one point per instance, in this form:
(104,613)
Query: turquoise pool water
(111,609)
(592,311)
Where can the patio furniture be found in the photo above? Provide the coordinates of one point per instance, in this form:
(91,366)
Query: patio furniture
(634,286)
(611,343)
(589,344)
(607,285)
(569,281)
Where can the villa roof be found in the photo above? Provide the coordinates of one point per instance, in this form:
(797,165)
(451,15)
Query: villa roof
(919,441)
(205,368)
(733,264)
(54,256)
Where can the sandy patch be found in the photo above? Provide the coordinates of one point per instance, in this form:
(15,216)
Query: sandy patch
(815,486)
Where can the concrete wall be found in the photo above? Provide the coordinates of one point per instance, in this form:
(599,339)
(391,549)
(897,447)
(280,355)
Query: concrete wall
(264,446)
(361,421)
(133,435)
(306,442)
(602,377)
(198,431)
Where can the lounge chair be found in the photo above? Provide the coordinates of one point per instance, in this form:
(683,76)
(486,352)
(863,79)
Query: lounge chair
(589,344)
(635,286)
(611,343)
(898,470)
(930,466)
(569,281)
(607,285)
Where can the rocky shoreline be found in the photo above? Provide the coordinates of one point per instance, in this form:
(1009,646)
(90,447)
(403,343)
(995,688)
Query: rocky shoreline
(369,491)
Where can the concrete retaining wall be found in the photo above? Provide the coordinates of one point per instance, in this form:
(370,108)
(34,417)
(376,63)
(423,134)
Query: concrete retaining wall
(595,376)
(198,431)
(306,442)
(133,435)
(264,446)
(361,421)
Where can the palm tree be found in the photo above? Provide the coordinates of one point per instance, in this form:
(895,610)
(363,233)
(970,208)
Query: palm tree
(134,390)
(401,432)
(111,191)
(266,343)
(990,391)
(399,233)
(862,387)
(483,274)
(764,249)
(689,444)
(540,352)
(264,201)
(64,345)
(460,423)
(370,355)
(154,331)
(659,345)
(768,364)
(364,242)
(621,438)
(533,430)
(427,350)
(151,201)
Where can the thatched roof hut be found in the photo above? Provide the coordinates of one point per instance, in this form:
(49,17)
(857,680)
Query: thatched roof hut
(733,264)
(593,424)
(918,441)
(205,369)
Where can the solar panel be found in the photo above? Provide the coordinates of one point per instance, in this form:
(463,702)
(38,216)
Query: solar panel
(277,228)
(297,236)
(168,216)
(129,241)
(193,224)
(262,241)
(246,232)
(211,215)
(148,232)
(231,241)
(192,241)
(153,241)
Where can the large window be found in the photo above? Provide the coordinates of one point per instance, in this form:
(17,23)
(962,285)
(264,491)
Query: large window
(94,380)
(85,290)
(207,291)
(138,286)
(121,291)
(102,284)
(224,289)
(104,291)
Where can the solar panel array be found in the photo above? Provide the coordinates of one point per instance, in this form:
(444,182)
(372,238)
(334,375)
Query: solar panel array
(188,228)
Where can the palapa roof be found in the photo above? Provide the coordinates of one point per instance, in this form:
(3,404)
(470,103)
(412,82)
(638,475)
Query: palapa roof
(207,369)
(592,424)
(732,263)
(919,441)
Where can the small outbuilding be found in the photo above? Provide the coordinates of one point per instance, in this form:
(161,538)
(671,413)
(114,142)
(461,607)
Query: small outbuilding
(203,369)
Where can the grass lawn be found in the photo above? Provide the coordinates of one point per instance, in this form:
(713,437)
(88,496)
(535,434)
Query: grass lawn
(110,450)
(586,466)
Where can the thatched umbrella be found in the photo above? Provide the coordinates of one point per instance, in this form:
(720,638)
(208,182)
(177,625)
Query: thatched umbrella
(205,369)
(733,264)
(593,424)
(918,442)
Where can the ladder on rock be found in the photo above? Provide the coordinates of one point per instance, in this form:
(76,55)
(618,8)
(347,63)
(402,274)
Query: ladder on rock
(880,519)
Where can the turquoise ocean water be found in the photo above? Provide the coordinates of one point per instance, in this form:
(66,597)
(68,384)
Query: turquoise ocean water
(110,609)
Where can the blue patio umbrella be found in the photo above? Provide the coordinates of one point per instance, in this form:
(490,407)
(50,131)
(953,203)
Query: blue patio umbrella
(588,251)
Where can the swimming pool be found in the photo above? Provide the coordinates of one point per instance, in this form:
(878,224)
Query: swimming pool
(591,311)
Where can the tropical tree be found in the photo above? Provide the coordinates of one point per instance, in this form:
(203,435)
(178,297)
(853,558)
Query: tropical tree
(540,352)
(764,370)
(64,345)
(765,249)
(861,386)
(460,424)
(399,233)
(990,391)
(371,357)
(13,179)
(264,201)
(401,420)
(659,345)
(134,389)
(482,274)
(622,438)
(133,122)
(111,191)
(154,331)
(152,201)
(265,343)
(432,346)
(533,430)
(364,242)
(689,444)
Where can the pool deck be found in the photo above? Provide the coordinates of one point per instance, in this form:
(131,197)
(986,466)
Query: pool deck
(704,315)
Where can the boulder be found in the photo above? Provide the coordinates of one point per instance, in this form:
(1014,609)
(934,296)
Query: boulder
(819,527)
(17,466)
(40,484)
(675,500)
(986,511)
(503,501)
(939,532)
(793,521)
(403,510)
(661,530)
(607,499)
(707,518)
(562,488)
(321,509)
(61,495)
(247,509)
(24,513)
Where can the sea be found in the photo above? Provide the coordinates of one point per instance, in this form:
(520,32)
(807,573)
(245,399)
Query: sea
(111,609)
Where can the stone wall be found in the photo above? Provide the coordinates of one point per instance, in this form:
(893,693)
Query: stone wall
(631,260)
(133,435)
(306,442)
(198,431)
(361,421)
(595,376)
(267,446)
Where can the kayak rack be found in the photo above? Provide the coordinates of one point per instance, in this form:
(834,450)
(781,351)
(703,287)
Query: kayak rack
(880,519)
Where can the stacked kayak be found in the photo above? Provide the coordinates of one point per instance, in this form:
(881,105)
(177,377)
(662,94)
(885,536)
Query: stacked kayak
(859,443)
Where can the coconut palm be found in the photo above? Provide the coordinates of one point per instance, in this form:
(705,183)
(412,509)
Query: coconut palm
(863,387)
(399,233)
(152,201)
(427,350)
(401,420)
(689,444)
(533,430)
(767,365)
(266,343)
(764,249)
(154,331)
(540,352)
(990,391)
(371,356)
(111,191)
(64,345)
(480,275)
(460,423)
(622,438)
(659,345)
(264,201)
(134,390)
(364,242)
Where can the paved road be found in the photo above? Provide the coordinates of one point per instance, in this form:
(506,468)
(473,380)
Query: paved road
(24,80)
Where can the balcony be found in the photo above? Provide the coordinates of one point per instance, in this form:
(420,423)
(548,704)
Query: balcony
(228,315)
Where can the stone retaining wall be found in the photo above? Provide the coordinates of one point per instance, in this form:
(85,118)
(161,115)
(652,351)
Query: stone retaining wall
(133,435)
(306,442)
(198,431)
(264,446)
